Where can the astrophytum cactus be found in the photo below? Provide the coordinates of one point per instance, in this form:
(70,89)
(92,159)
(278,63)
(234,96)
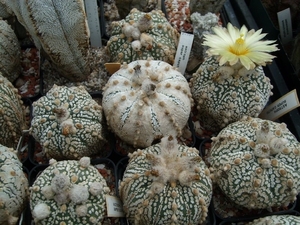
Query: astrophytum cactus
(276,219)
(69,192)
(166,183)
(141,36)
(13,186)
(67,122)
(146,100)
(255,163)
(61,32)
(10,52)
(231,82)
(12,114)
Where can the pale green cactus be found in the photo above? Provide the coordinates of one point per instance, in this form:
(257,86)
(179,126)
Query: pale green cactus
(146,100)
(12,114)
(166,183)
(68,123)
(69,192)
(14,187)
(255,163)
(141,36)
(276,219)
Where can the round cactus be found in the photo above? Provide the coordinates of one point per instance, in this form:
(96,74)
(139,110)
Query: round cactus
(69,192)
(141,36)
(68,123)
(224,94)
(166,183)
(276,219)
(13,186)
(10,52)
(256,163)
(12,114)
(146,100)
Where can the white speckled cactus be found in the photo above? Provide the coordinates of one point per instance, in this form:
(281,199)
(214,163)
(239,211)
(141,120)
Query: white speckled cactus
(256,163)
(12,114)
(276,219)
(10,52)
(13,186)
(224,94)
(68,192)
(62,33)
(68,123)
(166,183)
(141,36)
(146,100)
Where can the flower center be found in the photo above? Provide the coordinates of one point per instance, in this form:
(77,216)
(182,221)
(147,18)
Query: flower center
(239,47)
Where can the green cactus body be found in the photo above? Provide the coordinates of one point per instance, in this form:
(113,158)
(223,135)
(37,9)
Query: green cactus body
(256,163)
(146,100)
(10,52)
(68,123)
(141,36)
(166,183)
(68,192)
(276,219)
(224,94)
(12,114)
(13,186)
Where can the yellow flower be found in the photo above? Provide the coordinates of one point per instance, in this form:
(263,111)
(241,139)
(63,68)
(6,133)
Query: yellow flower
(235,45)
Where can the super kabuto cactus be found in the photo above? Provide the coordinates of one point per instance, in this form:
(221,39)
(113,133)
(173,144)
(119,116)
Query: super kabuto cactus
(69,192)
(68,123)
(166,183)
(255,163)
(141,36)
(146,100)
(14,187)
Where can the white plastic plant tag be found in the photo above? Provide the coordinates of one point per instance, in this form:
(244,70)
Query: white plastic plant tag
(183,51)
(283,105)
(114,206)
(91,9)
(285,25)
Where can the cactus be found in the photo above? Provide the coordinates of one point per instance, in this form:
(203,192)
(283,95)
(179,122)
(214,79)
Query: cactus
(141,36)
(166,183)
(62,33)
(68,123)
(12,114)
(256,163)
(69,192)
(231,82)
(14,187)
(276,219)
(146,100)
(223,95)
(10,52)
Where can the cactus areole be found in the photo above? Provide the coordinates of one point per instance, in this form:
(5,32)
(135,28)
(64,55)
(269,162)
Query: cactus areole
(69,192)
(256,163)
(146,100)
(68,123)
(166,183)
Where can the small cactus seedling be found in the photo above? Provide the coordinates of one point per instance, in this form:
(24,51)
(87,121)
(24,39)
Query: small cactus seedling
(14,187)
(10,52)
(166,183)
(68,123)
(12,114)
(69,192)
(146,100)
(141,36)
(255,163)
(231,82)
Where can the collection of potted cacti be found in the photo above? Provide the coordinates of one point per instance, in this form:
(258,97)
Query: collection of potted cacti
(91,133)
